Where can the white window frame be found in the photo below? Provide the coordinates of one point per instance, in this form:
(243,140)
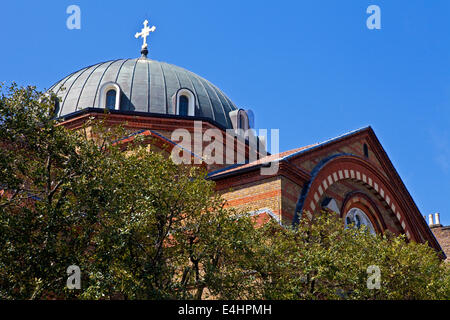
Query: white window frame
(191,98)
(104,90)
(235,117)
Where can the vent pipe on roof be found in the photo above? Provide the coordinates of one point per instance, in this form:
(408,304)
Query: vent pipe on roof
(430,219)
(437,219)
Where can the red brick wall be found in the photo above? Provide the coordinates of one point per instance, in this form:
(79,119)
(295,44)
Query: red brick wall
(442,234)
(290,195)
(256,195)
(356,147)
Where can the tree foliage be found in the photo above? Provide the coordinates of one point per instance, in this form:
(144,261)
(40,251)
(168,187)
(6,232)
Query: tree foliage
(141,227)
(320,259)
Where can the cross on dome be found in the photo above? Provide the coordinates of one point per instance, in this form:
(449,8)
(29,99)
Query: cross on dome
(145,32)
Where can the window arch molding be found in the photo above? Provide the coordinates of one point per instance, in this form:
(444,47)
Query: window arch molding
(105,88)
(342,166)
(183,92)
(239,120)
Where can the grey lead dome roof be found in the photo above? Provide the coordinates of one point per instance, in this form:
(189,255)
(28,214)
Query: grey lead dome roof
(146,86)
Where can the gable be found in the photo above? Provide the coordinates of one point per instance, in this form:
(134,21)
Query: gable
(342,161)
(353,145)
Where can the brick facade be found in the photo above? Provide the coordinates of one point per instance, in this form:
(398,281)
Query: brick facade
(354,170)
(442,234)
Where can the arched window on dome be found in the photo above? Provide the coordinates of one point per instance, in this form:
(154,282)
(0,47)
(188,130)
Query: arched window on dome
(111,99)
(110,96)
(242,120)
(183,106)
(357,218)
(184,101)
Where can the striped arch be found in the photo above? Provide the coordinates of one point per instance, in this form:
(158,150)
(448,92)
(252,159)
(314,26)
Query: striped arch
(350,167)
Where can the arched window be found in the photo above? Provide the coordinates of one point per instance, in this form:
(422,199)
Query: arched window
(183,108)
(242,120)
(184,102)
(111,99)
(110,96)
(358,218)
(366,150)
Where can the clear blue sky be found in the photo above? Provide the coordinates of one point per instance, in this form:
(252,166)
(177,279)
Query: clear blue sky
(310,68)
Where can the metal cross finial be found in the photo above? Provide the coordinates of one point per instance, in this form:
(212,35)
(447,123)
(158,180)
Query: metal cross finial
(144,34)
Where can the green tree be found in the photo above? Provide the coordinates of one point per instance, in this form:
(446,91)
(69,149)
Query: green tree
(320,259)
(141,227)
(138,226)
(162,232)
(39,162)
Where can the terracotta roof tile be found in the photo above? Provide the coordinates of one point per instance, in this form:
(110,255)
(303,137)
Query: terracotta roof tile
(263,160)
(280,156)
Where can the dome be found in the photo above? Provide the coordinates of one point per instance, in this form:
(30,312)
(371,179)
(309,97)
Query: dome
(145,85)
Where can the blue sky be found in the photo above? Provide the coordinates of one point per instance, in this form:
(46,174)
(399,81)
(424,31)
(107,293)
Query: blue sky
(310,68)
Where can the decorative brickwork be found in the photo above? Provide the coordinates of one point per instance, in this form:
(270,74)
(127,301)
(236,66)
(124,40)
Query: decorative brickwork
(256,195)
(442,234)
(338,169)
(353,170)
